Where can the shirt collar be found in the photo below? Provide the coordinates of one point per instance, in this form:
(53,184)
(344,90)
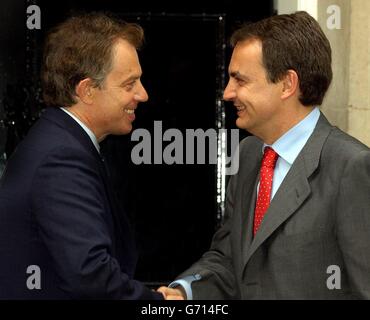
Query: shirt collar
(292,142)
(86,129)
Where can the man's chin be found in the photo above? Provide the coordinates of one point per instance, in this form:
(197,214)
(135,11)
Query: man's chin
(127,130)
(122,131)
(241,124)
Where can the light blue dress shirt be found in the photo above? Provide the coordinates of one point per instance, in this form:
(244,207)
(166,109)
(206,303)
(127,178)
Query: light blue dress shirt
(288,147)
(87,130)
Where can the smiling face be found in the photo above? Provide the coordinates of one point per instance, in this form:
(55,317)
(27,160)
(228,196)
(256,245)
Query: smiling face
(258,102)
(115,101)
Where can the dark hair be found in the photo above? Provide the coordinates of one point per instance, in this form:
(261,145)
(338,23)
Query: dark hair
(293,42)
(80,48)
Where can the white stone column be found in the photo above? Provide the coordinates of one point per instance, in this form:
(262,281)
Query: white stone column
(334,19)
(359,75)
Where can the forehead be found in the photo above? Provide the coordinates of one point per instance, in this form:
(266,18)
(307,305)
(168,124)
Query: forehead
(125,60)
(247,55)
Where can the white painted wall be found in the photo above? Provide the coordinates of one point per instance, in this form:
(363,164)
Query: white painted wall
(290,6)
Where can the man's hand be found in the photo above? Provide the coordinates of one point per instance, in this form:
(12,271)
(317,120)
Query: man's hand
(172,293)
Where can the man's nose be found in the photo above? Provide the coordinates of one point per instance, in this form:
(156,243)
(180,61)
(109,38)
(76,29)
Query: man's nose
(229,92)
(141,95)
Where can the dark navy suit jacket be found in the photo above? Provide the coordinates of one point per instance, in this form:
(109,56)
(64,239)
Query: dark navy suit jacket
(58,212)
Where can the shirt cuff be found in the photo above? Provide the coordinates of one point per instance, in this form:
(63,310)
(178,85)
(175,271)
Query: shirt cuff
(186,284)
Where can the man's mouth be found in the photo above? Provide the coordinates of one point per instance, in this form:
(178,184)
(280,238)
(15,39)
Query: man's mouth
(129,111)
(240,108)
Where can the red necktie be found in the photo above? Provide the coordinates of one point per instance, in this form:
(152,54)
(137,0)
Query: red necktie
(264,192)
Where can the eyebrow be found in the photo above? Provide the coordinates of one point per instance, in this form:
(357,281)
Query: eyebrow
(131,78)
(237,74)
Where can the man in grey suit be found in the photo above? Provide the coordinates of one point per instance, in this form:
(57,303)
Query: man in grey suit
(297,220)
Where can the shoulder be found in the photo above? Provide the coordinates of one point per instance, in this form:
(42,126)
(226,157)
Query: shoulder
(46,139)
(342,146)
(49,150)
(342,153)
(46,135)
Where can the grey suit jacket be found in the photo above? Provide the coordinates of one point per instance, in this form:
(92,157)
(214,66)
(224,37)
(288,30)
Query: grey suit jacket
(316,232)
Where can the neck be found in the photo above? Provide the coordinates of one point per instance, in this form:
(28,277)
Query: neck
(276,130)
(78,112)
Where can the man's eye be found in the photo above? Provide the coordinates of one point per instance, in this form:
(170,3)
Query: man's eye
(130,86)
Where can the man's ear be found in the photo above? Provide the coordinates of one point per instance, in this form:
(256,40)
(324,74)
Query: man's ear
(290,84)
(84,90)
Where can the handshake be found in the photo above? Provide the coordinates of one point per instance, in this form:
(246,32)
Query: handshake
(172,293)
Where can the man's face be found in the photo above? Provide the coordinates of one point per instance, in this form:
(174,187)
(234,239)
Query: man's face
(257,101)
(120,92)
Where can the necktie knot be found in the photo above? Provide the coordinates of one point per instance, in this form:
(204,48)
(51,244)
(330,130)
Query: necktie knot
(269,158)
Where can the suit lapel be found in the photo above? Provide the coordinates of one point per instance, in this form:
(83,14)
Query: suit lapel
(294,189)
(249,195)
(124,240)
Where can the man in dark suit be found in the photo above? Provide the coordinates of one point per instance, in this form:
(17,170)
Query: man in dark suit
(62,235)
(297,218)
